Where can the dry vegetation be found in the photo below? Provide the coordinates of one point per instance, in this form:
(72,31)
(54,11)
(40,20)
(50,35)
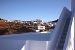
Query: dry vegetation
(13,28)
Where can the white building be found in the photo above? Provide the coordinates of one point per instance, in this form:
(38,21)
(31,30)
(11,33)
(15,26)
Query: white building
(39,27)
(17,21)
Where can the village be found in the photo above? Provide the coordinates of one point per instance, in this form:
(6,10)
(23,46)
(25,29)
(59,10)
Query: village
(18,26)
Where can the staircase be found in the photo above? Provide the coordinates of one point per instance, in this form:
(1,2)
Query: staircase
(63,36)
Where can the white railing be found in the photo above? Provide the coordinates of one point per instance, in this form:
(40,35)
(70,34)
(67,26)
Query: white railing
(69,38)
(60,34)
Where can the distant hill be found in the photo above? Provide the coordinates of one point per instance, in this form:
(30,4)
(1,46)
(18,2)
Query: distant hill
(1,19)
(54,21)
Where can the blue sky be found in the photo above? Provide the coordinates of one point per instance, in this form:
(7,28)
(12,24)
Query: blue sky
(47,10)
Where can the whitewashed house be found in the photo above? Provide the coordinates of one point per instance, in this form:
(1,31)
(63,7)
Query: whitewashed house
(39,27)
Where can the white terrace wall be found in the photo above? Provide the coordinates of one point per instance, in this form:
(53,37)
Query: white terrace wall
(20,41)
(11,44)
(36,45)
(28,36)
(23,45)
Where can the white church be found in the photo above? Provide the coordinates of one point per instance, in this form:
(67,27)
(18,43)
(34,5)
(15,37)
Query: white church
(62,37)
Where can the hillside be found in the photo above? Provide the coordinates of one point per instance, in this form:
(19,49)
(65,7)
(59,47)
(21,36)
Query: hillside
(7,27)
(13,28)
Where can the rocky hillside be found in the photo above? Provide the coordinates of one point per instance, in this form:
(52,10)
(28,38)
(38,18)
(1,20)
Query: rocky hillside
(7,27)
(13,28)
